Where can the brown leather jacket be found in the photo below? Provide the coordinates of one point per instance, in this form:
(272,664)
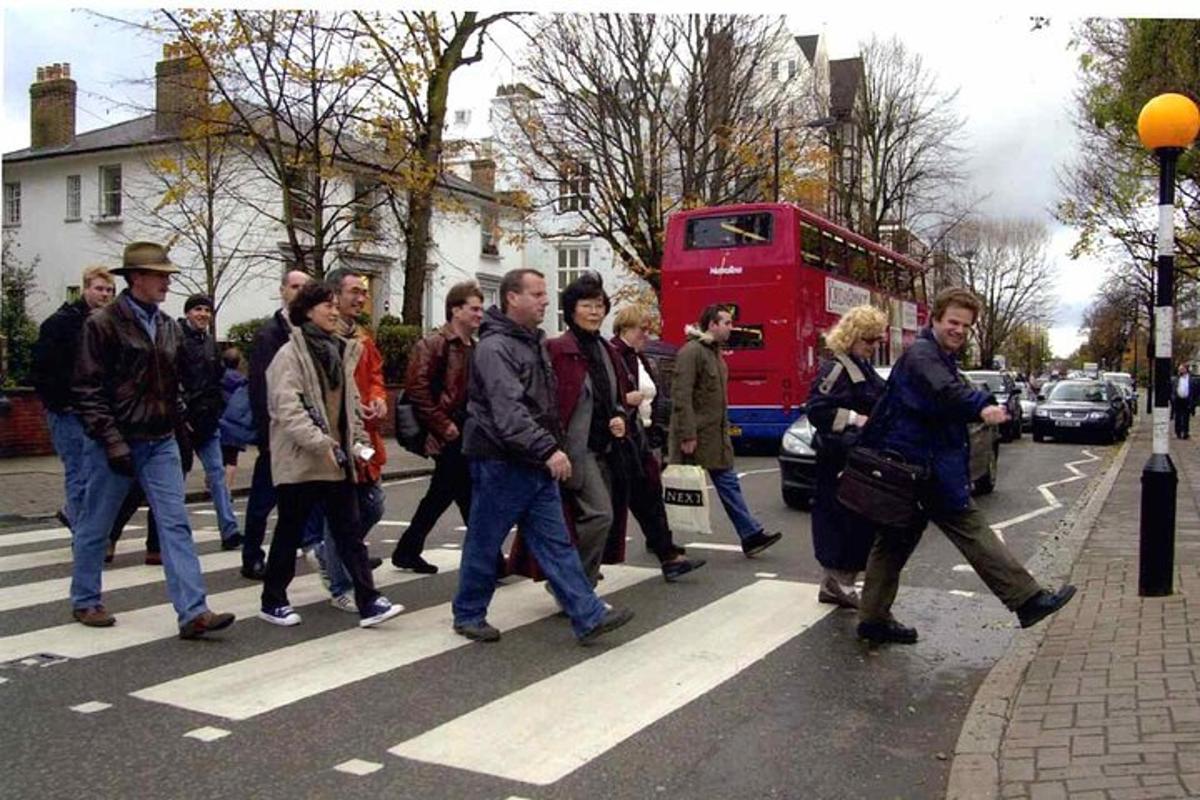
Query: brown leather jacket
(436,383)
(125,386)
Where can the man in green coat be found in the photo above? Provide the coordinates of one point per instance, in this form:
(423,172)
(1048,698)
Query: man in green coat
(699,431)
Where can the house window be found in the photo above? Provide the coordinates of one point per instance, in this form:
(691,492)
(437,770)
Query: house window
(574,188)
(775,71)
(74,193)
(462,117)
(110,190)
(490,286)
(366,202)
(12,203)
(791,68)
(573,261)
(298,181)
(489,232)
(73,293)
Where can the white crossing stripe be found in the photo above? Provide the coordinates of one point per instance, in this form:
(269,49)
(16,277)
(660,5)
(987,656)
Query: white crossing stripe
(207,734)
(535,736)
(356,766)
(729,548)
(44,535)
(144,625)
(54,589)
(63,555)
(91,707)
(262,683)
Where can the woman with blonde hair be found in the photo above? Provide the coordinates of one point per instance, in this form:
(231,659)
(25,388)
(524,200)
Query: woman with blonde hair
(839,404)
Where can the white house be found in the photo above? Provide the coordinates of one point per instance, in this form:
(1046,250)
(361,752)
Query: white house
(72,200)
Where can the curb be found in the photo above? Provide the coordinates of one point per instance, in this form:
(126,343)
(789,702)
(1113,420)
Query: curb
(975,770)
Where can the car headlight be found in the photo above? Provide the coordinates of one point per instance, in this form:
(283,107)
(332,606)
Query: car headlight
(1041,412)
(798,439)
(1098,415)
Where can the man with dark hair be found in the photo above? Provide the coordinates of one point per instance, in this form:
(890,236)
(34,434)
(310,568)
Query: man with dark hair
(513,442)
(54,355)
(436,384)
(266,344)
(923,416)
(699,431)
(126,390)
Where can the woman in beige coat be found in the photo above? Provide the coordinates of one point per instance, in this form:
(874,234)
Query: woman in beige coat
(316,435)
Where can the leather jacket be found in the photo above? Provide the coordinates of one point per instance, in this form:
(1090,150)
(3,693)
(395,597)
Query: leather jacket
(125,386)
(200,374)
(54,355)
(436,383)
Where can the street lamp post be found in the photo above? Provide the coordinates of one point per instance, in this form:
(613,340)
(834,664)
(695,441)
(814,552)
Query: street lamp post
(1168,124)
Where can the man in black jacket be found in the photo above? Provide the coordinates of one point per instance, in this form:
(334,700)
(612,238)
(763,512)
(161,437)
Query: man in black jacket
(267,342)
(513,443)
(54,356)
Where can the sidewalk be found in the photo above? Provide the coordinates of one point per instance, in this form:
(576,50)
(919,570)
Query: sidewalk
(31,488)
(1107,705)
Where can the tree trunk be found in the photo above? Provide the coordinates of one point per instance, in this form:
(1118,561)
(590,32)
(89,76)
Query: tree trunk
(416,247)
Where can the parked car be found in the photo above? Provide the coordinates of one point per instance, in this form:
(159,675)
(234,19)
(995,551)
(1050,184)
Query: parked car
(1003,388)
(1028,399)
(1125,382)
(798,458)
(1082,408)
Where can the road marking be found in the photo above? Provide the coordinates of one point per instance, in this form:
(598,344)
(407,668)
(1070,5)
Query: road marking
(962,568)
(91,707)
(394,523)
(64,555)
(356,766)
(729,548)
(766,574)
(962,593)
(403,481)
(44,535)
(757,472)
(207,734)
(244,689)
(1052,501)
(696,653)
(145,625)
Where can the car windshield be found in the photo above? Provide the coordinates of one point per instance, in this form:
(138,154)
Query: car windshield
(1124,380)
(993,381)
(1079,392)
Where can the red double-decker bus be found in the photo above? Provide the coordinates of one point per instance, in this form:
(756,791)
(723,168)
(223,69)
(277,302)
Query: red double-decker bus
(787,275)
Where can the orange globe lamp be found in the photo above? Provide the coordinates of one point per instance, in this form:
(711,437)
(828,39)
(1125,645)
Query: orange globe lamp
(1169,120)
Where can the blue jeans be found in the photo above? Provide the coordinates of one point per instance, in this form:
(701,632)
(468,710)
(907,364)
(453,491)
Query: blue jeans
(66,433)
(730,493)
(508,494)
(370,511)
(160,474)
(209,453)
(258,508)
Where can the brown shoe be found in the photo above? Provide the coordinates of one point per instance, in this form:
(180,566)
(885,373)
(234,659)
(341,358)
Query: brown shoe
(94,617)
(153,559)
(196,627)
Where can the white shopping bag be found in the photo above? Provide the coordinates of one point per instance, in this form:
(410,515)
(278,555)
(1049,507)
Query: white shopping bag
(685,495)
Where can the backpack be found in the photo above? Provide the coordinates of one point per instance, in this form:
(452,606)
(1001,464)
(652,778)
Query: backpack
(410,433)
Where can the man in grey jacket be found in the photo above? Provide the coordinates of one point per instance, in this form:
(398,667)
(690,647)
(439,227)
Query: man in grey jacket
(513,443)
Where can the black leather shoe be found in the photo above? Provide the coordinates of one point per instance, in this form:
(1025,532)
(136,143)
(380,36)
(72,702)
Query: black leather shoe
(232,543)
(1043,604)
(885,632)
(255,572)
(479,632)
(416,564)
(759,542)
(613,618)
(374,562)
(674,569)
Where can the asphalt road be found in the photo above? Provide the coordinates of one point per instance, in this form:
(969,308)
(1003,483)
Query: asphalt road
(732,682)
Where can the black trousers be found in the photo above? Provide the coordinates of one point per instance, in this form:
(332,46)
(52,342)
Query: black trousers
(450,483)
(646,505)
(296,502)
(1181,410)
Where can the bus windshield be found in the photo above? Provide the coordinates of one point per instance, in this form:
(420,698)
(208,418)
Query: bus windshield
(735,230)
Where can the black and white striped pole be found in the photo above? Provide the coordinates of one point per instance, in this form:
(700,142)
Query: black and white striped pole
(1167,125)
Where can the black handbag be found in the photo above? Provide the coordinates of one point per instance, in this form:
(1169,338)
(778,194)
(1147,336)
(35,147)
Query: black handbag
(410,434)
(883,488)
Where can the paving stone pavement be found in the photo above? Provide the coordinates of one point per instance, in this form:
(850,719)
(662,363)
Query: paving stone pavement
(1108,708)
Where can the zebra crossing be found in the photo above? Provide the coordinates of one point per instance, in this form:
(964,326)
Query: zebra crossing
(541,729)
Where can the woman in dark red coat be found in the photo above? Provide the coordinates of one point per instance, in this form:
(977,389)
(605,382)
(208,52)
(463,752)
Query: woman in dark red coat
(592,386)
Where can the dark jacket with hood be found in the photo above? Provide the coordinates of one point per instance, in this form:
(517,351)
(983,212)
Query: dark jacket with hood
(54,355)
(511,409)
(266,344)
(923,416)
(200,374)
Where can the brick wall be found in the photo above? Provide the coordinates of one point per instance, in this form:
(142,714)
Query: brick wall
(23,431)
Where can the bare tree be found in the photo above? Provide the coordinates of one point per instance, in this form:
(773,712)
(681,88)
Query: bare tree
(912,162)
(1004,263)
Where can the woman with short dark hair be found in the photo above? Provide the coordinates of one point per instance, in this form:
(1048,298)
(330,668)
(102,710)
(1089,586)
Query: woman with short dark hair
(316,433)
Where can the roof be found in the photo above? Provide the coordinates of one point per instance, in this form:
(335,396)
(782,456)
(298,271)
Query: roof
(845,79)
(808,44)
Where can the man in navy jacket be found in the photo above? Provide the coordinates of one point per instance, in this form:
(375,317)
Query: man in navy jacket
(923,417)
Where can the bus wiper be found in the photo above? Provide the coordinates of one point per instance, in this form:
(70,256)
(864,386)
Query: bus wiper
(731,228)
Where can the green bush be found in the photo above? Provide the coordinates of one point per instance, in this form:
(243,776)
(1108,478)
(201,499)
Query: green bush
(21,332)
(394,340)
(242,334)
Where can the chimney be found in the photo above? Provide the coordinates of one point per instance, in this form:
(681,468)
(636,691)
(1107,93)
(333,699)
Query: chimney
(181,89)
(483,174)
(52,107)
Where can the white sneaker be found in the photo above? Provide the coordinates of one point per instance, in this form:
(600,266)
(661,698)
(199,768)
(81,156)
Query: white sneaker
(381,610)
(280,615)
(344,602)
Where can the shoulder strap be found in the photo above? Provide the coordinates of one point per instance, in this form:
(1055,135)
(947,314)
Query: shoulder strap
(852,369)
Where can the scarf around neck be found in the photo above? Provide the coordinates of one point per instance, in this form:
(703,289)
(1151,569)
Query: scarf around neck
(603,410)
(326,351)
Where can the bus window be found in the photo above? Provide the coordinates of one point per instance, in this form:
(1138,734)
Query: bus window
(810,245)
(746,337)
(738,230)
(856,263)
(836,261)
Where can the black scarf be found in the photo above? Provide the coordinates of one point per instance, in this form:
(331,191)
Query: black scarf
(592,347)
(326,351)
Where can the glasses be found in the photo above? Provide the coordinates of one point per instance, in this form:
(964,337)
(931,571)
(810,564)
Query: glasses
(590,305)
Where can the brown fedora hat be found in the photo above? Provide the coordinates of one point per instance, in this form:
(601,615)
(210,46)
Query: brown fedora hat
(146,256)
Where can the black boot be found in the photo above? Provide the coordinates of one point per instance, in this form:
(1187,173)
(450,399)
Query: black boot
(1043,604)
(884,632)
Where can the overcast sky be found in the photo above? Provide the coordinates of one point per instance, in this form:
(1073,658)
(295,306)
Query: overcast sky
(1015,87)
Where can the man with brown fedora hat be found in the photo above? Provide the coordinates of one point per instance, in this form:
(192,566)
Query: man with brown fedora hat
(126,390)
